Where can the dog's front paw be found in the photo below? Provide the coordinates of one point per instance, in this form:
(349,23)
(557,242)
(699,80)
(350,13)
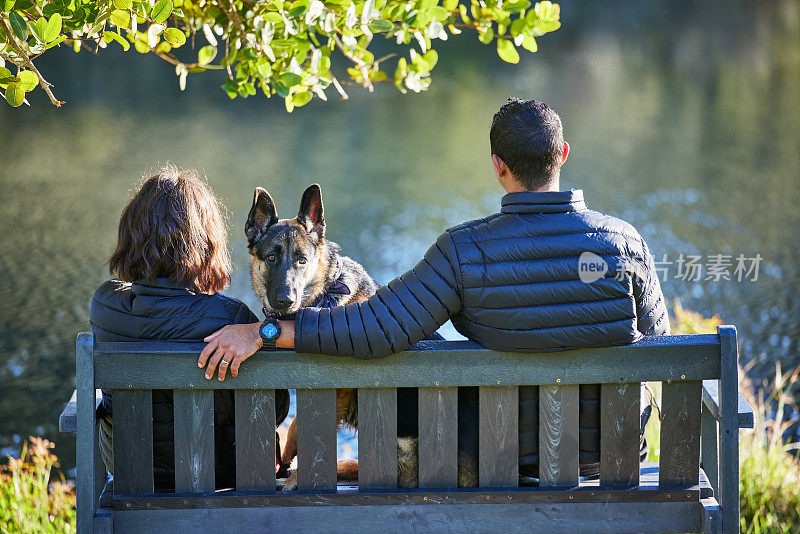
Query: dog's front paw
(290,484)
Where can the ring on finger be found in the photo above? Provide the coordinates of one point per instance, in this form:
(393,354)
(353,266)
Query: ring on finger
(224,362)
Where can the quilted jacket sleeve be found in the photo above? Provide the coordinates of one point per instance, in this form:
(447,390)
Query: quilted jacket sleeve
(651,309)
(401,313)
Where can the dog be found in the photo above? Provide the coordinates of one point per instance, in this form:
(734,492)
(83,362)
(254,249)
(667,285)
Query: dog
(294,266)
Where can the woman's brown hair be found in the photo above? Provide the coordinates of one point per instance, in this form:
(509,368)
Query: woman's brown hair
(173,228)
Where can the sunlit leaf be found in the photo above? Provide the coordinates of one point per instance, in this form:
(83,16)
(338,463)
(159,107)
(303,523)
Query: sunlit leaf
(161,11)
(53,28)
(206,54)
(122,19)
(174,37)
(14,95)
(123,4)
(301,99)
(113,36)
(27,80)
(380,26)
(507,51)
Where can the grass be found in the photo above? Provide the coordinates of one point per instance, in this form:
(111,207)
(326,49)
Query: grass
(29,501)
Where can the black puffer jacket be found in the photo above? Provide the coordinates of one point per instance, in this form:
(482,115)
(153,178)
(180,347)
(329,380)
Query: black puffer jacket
(512,282)
(161,310)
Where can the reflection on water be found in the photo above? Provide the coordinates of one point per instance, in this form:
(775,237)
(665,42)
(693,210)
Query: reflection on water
(682,120)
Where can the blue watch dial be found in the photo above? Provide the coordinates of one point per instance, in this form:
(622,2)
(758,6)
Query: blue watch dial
(269,330)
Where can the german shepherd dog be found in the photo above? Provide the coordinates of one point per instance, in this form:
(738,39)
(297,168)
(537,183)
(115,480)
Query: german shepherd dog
(293,266)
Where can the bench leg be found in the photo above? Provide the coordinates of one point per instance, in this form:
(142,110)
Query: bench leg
(86,438)
(711,516)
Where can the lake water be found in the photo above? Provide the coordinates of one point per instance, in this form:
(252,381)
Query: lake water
(683,119)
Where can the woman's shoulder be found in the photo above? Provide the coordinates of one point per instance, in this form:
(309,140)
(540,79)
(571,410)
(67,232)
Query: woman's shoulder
(237,310)
(112,293)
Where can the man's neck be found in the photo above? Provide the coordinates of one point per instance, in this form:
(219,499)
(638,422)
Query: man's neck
(516,187)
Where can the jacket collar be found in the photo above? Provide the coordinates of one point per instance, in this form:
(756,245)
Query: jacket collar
(548,202)
(163,287)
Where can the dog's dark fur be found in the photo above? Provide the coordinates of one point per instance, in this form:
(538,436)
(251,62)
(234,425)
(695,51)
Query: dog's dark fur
(292,265)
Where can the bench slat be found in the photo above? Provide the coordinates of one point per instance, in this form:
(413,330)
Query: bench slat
(255,440)
(498,458)
(377,438)
(558,435)
(709,447)
(194,440)
(316,439)
(133,440)
(619,434)
(680,433)
(438,437)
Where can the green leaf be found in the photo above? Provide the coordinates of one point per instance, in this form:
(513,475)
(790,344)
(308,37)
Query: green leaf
(114,36)
(53,28)
(438,13)
(431,57)
(19,27)
(122,19)
(61,39)
(301,99)
(529,43)
(507,51)
(5,76)
(39,28)
(288,79)
(174,37)
(380,26)
(14,95)
(6,5)
(450,5)
(27,80)
(487,36)
(161,11)
(123,4)
(206,54)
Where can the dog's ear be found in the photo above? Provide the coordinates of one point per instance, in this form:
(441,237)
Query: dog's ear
(311,213)
(262,215)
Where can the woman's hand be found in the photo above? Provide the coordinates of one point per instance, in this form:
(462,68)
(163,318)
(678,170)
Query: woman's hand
(229,347)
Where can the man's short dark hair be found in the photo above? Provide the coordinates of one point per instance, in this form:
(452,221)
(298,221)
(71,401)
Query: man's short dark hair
(528,137)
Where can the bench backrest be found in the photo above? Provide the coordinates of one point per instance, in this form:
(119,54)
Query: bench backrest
(681,363)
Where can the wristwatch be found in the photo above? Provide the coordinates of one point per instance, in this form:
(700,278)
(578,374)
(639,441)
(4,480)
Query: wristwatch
(269,332)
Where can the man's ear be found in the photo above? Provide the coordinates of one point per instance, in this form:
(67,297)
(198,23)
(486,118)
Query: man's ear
(262,215)
(499,166)
(566,153)
(311,214)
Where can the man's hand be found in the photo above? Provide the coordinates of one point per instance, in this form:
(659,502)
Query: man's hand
(230,346)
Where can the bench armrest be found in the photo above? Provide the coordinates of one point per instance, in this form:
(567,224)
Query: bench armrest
(67,421)
(711,401)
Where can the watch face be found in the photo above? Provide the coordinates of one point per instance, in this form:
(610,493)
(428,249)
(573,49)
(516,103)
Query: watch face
(269,330)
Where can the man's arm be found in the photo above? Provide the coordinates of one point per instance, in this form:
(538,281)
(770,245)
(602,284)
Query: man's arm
(651,308)
(401,313)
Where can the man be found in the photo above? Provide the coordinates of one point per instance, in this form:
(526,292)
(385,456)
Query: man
(545,273)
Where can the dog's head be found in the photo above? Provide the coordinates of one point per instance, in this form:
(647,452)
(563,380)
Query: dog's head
(289,256)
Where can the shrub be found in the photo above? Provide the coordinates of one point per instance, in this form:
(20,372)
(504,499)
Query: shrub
(29,501)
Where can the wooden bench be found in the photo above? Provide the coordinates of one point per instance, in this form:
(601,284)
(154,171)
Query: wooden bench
(675,496)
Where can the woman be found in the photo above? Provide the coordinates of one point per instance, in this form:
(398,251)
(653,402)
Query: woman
(170,262)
